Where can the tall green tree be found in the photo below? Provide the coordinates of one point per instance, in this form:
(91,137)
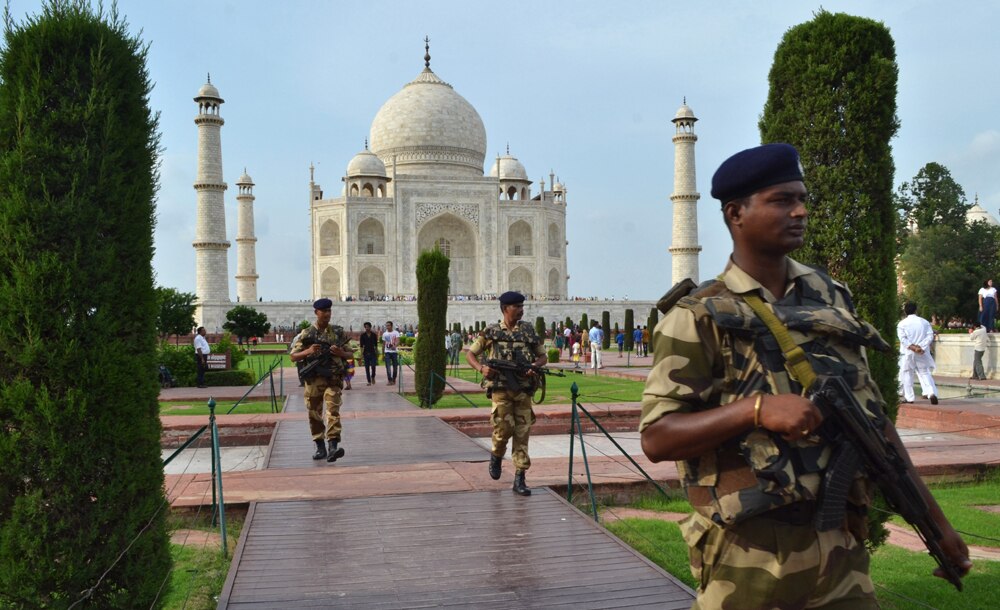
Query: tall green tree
(932,198)
(82,509)
(176,312)
(429,356)
(833,96)
(244,321)
(606,327)
(944,267)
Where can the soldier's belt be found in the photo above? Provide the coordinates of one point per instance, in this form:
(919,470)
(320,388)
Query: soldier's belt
(797,513)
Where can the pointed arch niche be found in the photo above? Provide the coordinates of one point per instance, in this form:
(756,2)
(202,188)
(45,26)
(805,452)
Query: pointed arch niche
(371,237)
(457,239)
(329,283)
(520,280)
(329,239)
(519,239)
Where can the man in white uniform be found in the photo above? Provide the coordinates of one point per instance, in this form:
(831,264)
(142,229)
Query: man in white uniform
(915,337)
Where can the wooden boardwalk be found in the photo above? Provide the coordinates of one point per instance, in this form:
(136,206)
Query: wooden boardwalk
(466,549)
(427,550)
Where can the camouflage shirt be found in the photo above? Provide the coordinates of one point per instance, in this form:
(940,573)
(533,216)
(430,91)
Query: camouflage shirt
(711,349)
(335,336)
(500,342)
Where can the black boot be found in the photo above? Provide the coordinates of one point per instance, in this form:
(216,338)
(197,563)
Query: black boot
(520,488)
(333,452)
(495,466)
(320,450)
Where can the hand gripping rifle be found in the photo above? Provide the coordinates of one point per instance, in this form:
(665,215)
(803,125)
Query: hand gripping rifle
(313,366)
(511,371)
(860,444)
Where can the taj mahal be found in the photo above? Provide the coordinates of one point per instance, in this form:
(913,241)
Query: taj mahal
(419,183)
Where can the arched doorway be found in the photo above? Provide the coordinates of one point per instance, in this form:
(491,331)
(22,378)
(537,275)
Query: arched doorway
(329,284)
(520,280)
(371,282)
(457,239)
(329,239)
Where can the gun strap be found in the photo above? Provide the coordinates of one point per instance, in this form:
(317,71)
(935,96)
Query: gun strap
(795,356)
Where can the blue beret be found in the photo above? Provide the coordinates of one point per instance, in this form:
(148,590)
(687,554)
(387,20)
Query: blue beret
(511,298)
(323,303)
(750,170)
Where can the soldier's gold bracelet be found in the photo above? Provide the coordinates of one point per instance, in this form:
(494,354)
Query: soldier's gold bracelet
(756,411)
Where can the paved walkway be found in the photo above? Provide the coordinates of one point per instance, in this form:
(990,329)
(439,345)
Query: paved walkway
(396,450)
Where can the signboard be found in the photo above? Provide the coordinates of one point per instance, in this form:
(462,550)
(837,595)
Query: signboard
(218,362)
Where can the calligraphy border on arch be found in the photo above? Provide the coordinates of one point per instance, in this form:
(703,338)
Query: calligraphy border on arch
(428,210)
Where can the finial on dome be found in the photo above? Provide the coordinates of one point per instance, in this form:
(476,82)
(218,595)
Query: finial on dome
(508,149)
(366,143)
(209,78)
(685,100)
(312,169)
(427,52)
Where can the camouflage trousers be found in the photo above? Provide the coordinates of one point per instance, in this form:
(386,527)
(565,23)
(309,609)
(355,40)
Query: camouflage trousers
(319,392)
(764,563)
(512,417)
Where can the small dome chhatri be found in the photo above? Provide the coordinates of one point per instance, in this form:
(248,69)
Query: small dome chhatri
(508,167)
(245,179)
(366,163)
(208,90)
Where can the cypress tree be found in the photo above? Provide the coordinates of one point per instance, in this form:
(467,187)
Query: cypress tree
(584,323)
(540,327)
(833,96)
(654,317)
(569,322)
(629,327)
(81,481)
(432,310)
(606,327)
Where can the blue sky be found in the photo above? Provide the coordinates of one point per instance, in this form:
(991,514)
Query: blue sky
(586,89)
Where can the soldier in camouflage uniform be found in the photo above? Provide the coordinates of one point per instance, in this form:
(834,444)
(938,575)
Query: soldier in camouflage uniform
(720,401)
(327,382)
(515,341)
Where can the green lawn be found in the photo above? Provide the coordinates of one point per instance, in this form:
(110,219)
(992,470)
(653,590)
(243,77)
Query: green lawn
(895,571)
(201,408)
(592,388)
(199,572)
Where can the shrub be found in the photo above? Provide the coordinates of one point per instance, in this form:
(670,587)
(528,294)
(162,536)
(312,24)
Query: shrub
(432,309)
(180,360)
(231,377)
(226,344)
(629,327)
(553,355)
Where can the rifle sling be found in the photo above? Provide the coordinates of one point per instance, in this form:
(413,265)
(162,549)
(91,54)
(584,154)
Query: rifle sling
(795,356)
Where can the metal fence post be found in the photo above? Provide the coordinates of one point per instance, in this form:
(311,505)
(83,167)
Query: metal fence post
(217,470)
(574,390)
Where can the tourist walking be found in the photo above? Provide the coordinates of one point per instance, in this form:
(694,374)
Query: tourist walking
(596,340)
(979,342)
(915,337)
(369,352)
(390,353)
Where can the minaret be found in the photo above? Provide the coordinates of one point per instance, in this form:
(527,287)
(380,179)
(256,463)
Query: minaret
(684,250)
(246,257)
(210,245)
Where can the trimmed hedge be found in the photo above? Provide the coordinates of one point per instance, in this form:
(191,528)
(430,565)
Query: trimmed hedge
(230,377)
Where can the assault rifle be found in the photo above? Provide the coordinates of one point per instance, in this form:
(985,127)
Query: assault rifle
(860,444)
(511,371)
(315,365)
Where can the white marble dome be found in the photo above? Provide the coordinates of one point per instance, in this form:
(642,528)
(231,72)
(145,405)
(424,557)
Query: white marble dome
(245,179)
(429,129)
(978,212)
(509,169)
(366,163)
(685,113)
(208,90)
